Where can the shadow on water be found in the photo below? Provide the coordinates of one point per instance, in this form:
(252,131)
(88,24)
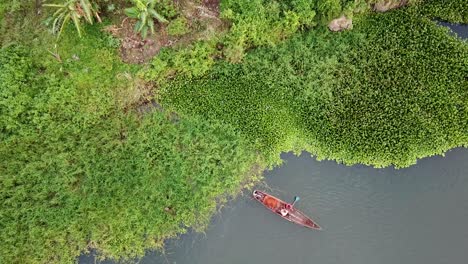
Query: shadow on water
(412,215)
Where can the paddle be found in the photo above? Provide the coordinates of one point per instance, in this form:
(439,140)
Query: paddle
(296,198)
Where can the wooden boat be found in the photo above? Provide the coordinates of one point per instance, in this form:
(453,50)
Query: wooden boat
(277,206)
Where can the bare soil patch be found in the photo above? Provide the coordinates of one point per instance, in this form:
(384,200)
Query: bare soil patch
(133,48)
(203,22)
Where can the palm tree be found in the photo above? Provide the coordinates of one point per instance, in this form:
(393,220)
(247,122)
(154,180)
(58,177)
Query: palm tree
(144,11)
(74,10)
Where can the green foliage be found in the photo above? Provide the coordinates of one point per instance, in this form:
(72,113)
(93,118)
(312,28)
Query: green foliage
(392,90)
(178,27)
(167,8)
(145,12)
(13,5)
(88,65)
(76,10)
(259,22)
(77,172)
(400,96)
(253,24)
(193,60)
(455,11)
(15,74)
(257,97)
(328,9)
(4,7)
(80,169)
(331,9)
(19,23)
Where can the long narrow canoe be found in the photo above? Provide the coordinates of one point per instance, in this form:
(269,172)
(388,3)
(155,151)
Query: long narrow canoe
(276,205)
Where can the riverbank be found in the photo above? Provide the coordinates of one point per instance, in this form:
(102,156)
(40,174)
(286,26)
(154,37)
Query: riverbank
(83,168)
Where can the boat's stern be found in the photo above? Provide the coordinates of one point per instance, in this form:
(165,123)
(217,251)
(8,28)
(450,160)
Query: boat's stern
(257,195)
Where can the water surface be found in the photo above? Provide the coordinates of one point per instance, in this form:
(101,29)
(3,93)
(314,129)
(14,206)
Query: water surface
(413,215)
(461,30)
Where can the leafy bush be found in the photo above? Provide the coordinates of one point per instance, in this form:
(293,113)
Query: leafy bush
(168,9)
(13,6)
(178,27)
(258,22)
(194,60)
(328,9)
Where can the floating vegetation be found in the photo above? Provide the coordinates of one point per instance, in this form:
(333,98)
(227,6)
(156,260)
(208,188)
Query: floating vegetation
(392,90)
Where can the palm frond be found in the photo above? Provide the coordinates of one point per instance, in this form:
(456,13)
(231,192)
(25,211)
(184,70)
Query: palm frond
(144,11)
(86,5)
(76,20)
(156,15)
(64,23)
(74,10)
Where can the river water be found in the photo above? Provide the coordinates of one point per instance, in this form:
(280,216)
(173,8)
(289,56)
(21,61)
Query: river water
(416,215)
(413,215)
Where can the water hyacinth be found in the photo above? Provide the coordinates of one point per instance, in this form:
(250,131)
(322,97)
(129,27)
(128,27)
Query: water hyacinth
(392,90)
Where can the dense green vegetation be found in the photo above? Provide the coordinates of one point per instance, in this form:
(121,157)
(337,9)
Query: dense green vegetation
(392,90)
(79,172)
(455,11)
(87,162)
(253,23)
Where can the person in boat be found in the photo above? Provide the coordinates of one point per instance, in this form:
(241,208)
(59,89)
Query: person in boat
(271,202)
(284,212)
(287,207)
(258,196)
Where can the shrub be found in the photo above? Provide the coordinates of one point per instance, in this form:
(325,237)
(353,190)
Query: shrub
(263,23)
(257,23)
(194,60)
(178,27)
(13,6)
(328,9)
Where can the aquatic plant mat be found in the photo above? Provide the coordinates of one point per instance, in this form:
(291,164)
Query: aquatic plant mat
(390,91)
